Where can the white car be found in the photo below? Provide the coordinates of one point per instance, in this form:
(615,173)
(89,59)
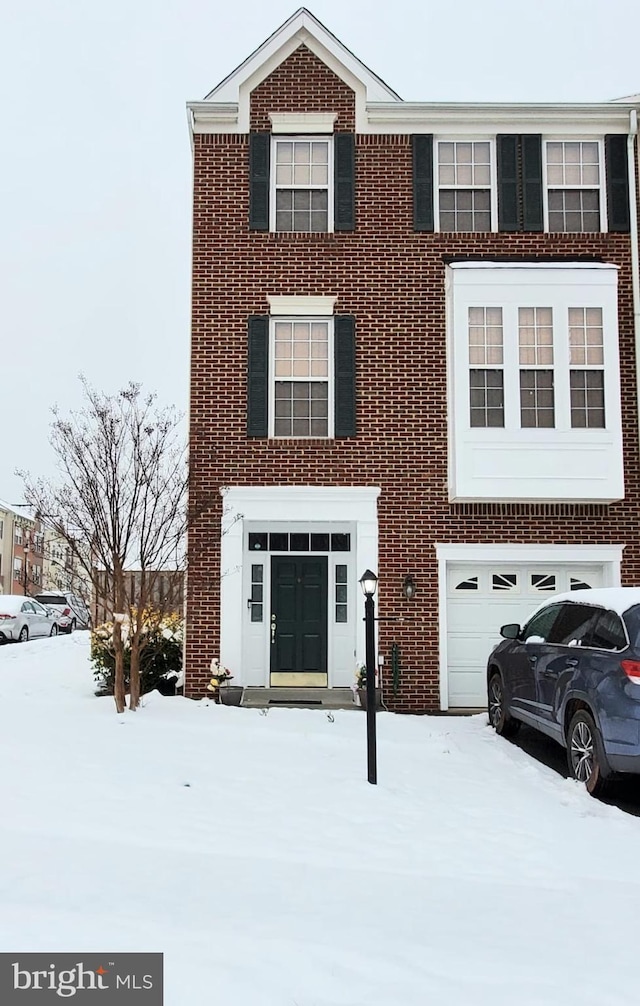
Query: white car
(23,618)
(71,610)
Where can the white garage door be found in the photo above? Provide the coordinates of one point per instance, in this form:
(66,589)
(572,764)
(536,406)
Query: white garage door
(481,598)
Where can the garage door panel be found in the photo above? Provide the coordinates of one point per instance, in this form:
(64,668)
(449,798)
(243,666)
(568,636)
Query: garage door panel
(501,594)
(465,690)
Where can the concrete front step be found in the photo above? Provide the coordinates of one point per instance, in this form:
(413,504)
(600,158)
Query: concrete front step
(299,698)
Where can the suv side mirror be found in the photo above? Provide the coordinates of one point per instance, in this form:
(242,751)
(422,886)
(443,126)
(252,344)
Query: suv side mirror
(510,631)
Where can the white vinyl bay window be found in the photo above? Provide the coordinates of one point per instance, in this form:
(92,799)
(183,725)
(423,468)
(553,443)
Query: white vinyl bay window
(535,386)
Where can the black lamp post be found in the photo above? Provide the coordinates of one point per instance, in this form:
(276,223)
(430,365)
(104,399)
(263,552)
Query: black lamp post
(369,582)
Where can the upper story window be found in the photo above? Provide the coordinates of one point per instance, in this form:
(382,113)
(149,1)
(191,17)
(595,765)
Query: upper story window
(578,336)
(302,184)
(464,185)
(535,405)
(301,392)
(17,535)
(574,178)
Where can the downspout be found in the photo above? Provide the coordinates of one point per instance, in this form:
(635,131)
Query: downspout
(635,257)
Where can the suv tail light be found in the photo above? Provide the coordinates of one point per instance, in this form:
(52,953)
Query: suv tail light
(632,669)
(67,611)
(7,616)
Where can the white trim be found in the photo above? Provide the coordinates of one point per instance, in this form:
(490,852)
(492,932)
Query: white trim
(329,380)
(493,179)
(607,556)
(301,307)
(349,504)
(328,188)
(302,122)
(601,187)
(486,264)
(302,27)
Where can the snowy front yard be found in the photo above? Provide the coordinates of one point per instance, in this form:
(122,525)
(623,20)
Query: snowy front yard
(252,852)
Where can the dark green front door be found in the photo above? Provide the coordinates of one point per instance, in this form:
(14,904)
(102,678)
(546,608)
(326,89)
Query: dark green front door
(298,623)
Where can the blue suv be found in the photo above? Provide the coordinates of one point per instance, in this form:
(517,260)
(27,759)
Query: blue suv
(573,672)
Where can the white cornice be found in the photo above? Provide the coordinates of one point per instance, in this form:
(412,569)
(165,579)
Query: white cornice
(444,118)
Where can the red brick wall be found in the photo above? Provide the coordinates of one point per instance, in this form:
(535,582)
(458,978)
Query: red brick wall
(302,83)
(392,280)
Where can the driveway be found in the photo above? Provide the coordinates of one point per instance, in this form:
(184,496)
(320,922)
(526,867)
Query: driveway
(625,793)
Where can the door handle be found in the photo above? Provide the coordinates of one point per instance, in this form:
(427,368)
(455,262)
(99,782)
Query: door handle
(572,662)
(273,629)
(533,658)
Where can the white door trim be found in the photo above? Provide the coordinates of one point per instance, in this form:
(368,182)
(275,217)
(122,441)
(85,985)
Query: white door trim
(607,556)
(348,504)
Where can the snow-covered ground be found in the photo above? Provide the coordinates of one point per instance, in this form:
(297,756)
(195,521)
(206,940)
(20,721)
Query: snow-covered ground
(252,852)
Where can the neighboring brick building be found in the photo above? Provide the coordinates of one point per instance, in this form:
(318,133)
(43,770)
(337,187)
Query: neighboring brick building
(413,350)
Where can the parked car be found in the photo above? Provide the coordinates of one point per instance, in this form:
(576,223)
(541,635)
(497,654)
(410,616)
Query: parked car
(23,618)
(72,610)
(573,672)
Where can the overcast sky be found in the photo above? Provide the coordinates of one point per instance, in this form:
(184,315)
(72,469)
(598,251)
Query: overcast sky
(95,168)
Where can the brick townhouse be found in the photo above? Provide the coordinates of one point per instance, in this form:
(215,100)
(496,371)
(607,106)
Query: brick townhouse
(415,329)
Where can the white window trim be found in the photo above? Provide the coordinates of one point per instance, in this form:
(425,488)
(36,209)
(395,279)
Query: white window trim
(491,140)
(330,379)
(301,306)
(290,123)
(607,556)
(602,187)
(306,138)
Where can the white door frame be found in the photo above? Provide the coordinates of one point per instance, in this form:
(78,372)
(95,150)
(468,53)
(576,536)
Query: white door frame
(609,557)
(350,504)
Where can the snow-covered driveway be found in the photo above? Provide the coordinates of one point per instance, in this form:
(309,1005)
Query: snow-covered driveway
(251,851)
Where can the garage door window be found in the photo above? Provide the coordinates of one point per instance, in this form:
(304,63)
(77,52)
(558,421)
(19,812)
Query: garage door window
(544,582)
(504,581)
(470,584)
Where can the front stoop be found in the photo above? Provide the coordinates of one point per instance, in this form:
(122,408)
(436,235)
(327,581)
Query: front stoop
(298,698)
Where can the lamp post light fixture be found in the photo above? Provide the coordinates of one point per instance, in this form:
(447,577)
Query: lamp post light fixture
(369,583)
(409,587)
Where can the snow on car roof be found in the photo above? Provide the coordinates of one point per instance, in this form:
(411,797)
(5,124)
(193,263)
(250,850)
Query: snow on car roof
(618,599)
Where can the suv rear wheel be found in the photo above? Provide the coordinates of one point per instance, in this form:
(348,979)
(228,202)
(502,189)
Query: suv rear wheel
(499,718)
(585,755)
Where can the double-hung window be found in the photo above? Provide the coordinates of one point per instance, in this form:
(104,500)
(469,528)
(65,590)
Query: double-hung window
(464,185)
(586,374)
(486,376)
(535,351)
(301,393)
(302,184)
(574,185)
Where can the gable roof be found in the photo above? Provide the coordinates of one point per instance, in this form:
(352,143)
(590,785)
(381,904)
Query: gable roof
(302,28)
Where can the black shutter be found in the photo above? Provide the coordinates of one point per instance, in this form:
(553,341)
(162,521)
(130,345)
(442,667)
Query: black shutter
(259,153)
(615,147)
(422,148)
(508,187)
(533,217)
(345,375)
(344,182)
(258,376)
